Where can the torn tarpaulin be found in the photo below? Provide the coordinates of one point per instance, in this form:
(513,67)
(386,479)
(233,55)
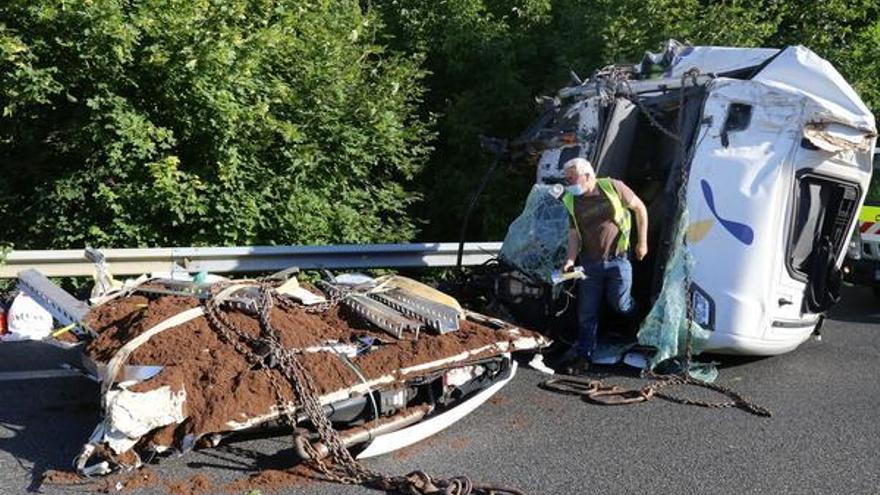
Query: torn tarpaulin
(668,326)
(536,241)
(131,415)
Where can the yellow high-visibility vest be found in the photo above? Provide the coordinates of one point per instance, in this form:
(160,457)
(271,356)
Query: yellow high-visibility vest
(622,216)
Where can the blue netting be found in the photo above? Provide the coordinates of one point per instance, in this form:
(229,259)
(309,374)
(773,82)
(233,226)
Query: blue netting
(536,241)
(666,326)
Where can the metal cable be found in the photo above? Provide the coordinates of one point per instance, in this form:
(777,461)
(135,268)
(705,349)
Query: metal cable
(342,357)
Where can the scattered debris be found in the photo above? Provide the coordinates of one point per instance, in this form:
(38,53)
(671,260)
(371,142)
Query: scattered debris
(196,485)
(27,320)
(273,479)
(537,363)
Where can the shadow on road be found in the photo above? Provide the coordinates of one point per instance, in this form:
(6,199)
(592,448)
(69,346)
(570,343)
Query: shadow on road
(44,423)
(857,305)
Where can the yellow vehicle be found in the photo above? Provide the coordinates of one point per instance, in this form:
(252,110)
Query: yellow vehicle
(862,265)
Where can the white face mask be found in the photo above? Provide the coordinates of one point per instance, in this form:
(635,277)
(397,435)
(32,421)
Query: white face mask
(575,189)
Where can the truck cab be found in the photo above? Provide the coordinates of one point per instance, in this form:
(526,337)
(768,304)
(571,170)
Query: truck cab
(752,163)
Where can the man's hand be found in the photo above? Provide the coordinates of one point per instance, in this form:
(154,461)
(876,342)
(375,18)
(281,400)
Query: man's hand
(641,250)
(568,265)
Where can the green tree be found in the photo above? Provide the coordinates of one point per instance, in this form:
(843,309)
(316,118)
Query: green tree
(175,122)
(845,32)
(475,88)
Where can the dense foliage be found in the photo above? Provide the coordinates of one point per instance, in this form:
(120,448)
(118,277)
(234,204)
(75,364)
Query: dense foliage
(193,122)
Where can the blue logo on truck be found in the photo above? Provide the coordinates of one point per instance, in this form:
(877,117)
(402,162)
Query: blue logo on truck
(742,232)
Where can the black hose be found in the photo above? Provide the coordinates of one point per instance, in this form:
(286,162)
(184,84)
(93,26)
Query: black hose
(470,210)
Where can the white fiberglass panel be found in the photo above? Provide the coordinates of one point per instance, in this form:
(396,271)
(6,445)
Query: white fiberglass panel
(738,195)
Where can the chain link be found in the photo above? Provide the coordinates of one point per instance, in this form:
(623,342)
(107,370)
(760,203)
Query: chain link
(267,352)
(684,176)
(682,201)
(668,381)
(684,378)
(334,299)
(614,395)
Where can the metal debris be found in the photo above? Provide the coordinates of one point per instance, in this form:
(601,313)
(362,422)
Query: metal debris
(437,316)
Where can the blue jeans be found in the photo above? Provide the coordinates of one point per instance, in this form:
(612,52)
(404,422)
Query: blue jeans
(612,279)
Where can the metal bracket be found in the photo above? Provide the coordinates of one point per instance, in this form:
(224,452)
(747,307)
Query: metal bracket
(384,317)
(61,305)
(440,317)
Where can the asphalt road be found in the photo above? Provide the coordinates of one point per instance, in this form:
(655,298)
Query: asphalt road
(823,437)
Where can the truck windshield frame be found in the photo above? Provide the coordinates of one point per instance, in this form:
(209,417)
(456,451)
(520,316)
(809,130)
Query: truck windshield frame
(816,192)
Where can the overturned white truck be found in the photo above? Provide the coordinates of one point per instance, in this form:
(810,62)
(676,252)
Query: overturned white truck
(774,148)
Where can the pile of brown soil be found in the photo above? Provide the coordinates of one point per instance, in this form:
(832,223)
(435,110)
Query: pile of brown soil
(55,477)
(142,478)
(197,485)
(221,386)
(272,480)
(127,482)
(120,482)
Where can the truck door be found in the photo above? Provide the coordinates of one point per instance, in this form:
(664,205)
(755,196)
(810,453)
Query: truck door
(823,210)
(738,192)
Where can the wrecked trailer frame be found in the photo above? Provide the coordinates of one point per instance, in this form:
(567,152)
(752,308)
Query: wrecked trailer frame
(379,413)
(776,149)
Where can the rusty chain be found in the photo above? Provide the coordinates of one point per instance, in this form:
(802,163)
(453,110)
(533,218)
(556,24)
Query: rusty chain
(651,118)
(614,395)
(684,177)
(267,352)
(663,381)
(334,299)
(692,73)
(736,399)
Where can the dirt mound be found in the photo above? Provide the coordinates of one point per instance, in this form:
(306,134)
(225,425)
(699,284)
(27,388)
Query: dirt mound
(273,480)
(222,386)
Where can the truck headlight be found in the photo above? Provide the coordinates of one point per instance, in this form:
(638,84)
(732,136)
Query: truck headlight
(854,248)
(703,308)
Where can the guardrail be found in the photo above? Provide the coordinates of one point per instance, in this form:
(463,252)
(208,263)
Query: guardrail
(73,263)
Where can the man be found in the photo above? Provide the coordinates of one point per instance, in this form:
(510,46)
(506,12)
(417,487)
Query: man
(599,235)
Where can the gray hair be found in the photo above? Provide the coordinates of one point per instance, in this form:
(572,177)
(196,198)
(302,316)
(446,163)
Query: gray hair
(581,165)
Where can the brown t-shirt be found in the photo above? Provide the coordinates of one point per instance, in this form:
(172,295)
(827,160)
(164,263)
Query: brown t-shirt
(595,218)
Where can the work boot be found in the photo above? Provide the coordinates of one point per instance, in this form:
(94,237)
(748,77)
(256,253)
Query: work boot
(577,366)
(559,358)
